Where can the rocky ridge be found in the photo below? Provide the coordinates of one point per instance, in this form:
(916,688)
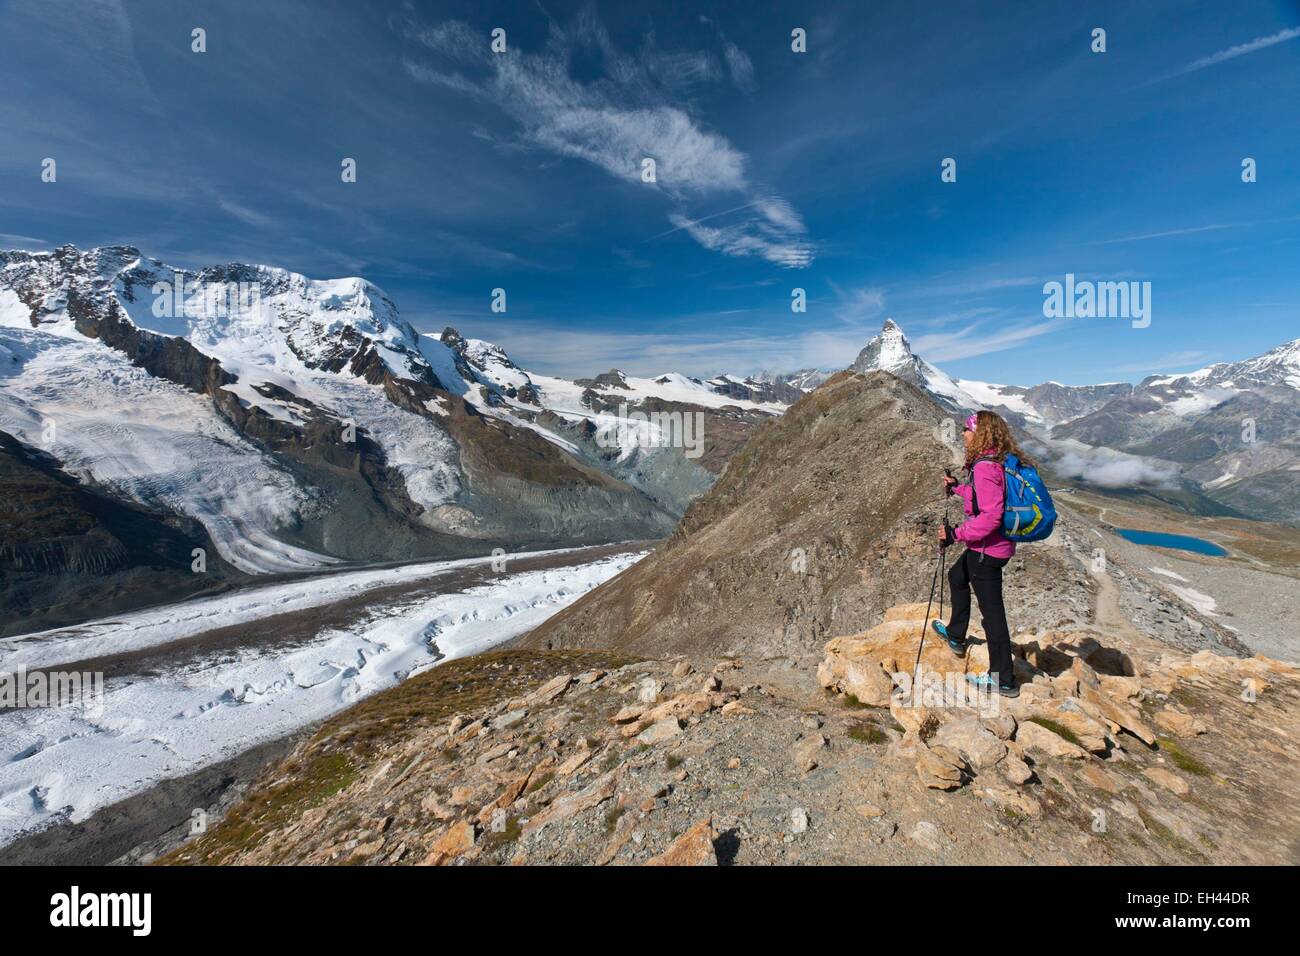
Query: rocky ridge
(1117,751)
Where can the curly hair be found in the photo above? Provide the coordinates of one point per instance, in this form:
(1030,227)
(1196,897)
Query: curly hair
(992,431)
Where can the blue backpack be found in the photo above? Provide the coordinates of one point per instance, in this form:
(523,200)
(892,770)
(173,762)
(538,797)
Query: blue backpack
(1028,513)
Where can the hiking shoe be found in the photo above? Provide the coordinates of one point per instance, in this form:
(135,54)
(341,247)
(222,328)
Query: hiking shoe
(985,682)
(957,647)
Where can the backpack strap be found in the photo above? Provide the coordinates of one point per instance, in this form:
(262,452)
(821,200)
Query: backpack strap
(974,496)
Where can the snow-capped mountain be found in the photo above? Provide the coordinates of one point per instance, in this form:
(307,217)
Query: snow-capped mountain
(1230,431)
(1234,428)
(298,423)
(891,352)
(804,379)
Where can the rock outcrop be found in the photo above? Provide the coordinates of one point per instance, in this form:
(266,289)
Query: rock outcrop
(576,757)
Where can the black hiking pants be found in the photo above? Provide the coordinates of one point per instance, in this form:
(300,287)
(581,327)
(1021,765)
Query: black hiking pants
(975,571)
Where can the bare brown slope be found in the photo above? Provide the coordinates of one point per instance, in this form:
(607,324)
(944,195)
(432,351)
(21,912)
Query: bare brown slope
(818,524)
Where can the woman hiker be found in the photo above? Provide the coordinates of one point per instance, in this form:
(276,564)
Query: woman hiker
(988,442)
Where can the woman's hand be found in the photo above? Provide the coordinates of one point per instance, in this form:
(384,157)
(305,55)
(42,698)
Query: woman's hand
(949,483)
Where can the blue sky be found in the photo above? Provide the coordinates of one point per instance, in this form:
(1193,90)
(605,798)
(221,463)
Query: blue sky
(775,170)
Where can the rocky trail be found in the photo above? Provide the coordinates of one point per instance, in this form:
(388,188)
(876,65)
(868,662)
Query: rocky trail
(1113,753)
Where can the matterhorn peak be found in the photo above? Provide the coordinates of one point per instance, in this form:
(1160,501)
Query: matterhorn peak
(887,352)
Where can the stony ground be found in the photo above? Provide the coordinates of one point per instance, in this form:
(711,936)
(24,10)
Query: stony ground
(1119,750)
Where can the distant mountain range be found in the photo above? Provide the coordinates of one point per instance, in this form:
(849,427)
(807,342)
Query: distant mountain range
(1229,432)
(280,424)
(283,424)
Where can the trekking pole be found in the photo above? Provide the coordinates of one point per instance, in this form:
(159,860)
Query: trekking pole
(936,579)
(946,510)
(925,626)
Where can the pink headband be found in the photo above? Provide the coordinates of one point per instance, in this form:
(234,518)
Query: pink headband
(971,422)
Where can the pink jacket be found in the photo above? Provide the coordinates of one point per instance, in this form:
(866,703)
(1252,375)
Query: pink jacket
(983,532)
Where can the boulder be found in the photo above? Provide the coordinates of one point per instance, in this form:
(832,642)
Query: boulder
(1003,726)
(661,730)
(807,752)
(981,748)
(695,847)
(549,691)
(1015,770)
(1092,735)
(456,840)
(865,680)
(1014,801)
(928,835)
(1104,707)
(628,714)
(939,767)
(1032,736)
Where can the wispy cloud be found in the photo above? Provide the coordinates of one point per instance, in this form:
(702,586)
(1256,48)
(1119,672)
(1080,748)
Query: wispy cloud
(970,341)
(632,111)
(1191,230)
(1241,49)
(245,215)
(10,240)
(1170,362)
(742,69)
(857,306)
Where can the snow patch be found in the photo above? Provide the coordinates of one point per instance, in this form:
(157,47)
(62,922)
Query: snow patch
(197,714)
(1170,574)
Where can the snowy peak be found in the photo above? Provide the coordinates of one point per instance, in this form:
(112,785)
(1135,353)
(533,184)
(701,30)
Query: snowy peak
(614,378)
(1279,367)
(891,352)
(804,379)
(888,352)
(467,366)
(278,318)
(254,319)
(755,389)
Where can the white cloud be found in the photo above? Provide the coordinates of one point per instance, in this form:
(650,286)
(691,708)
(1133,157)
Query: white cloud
(628,113)
(742,69)
(1105,467)
(1241,49)
(1187,359)
(968,342)
(748,238)
(859,305)
(245,215)
(11,240)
